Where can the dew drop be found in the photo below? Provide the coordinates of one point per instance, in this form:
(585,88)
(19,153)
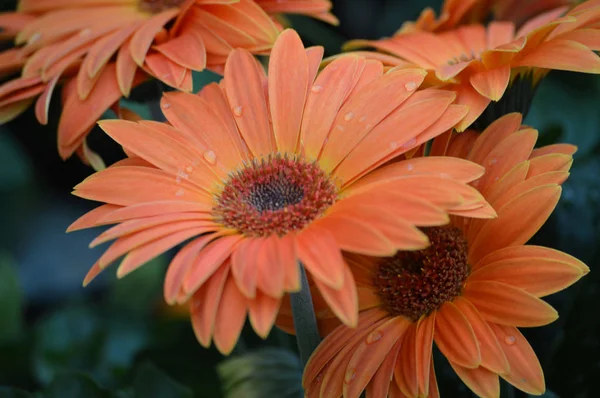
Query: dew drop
(393,145)
(410,167)
(316,89)
(189,169)
(167,76)
(410,86)
(180,192)
(85,32)
(445,176)
(210,157)
(34,37)
(348,116)
(374,337)
(350,375)
(362,119)
(510,340)
(339,127)
(238,110)
(166,105)
(410,143)
(493,161)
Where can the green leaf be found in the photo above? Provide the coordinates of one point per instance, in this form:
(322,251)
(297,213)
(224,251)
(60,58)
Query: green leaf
(11,302)
(270,372)
(150,382)
(10,392)
(74,385)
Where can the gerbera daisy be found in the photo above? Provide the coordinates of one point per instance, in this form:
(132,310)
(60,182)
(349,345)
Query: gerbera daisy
(495,63)
(467,292)
(104,48)
(264,172)
(463,12)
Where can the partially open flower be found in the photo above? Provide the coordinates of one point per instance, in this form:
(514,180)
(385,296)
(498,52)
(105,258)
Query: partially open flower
(467,292)
(101,49)
(495,68)
(263,172)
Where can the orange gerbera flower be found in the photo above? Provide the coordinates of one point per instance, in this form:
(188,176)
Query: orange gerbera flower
(463,12)
(493,64)
(104,48)
(265,172)
(467,292)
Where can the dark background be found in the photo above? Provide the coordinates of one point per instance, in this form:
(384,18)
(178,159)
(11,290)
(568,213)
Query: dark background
(110,339)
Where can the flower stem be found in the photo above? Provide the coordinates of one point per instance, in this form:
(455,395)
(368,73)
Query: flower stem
(305,321)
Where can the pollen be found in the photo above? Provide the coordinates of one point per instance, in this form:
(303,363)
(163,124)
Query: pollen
(155,6)
(274,195)
(416,283)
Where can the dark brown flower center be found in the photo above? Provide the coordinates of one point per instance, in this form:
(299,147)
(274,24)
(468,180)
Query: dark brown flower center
(415,283)
(274,196)
(155,6)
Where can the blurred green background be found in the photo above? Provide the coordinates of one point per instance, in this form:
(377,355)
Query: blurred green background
(111,339)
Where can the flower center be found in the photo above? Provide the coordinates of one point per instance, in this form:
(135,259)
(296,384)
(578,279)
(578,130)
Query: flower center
(156,6)
(415,283)
(274,196)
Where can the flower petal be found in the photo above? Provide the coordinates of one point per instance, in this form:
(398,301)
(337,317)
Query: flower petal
(230,318)
(455,338)
(320,254)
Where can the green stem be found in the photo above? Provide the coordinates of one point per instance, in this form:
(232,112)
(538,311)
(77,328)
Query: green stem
(305,321)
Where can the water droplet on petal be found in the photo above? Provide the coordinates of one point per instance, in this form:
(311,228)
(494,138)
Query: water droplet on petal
(339,127)
(510,340)
(445,175)
(362,119)
(393,145)
(374,337)
(410,143)
(410,86)
(34,37)
(350,375)
(493,161)
(166,105)
(410,167)
(238,110)
(210,157)
(85,32)
(180,192)
(348,116)
(189,169)
(316,89)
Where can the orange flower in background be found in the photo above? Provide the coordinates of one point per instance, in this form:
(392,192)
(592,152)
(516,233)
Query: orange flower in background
(101,49)
(494,63)
(467,292)
(464,12)
(319,9)
(262,172)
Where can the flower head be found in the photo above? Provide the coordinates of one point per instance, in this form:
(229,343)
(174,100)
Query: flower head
(101,49)
(463,12)
(467,292)
(483,62)
(262,172)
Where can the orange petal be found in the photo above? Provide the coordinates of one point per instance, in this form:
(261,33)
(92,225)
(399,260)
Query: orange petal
(179,266)
(370,353)
(424,346)
(325,98)
(178,50)
(243,84)
(244,265)
(467,95)
(270,273)
(208,261)
(92,218)
(320,254)
(492,356)
(496,132)
(381,383)
(204,305)
(405,371)
(152,209)
(130,185)
(144,36)
(480,380)
(125,69)
(507,305)
(491,83)
(525,370)
(230,318)
(562,55)
(343,302)
(363,111)
(289,262)
(262,311)
(288,77)
(538,276)
(517,221)
(455,338)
